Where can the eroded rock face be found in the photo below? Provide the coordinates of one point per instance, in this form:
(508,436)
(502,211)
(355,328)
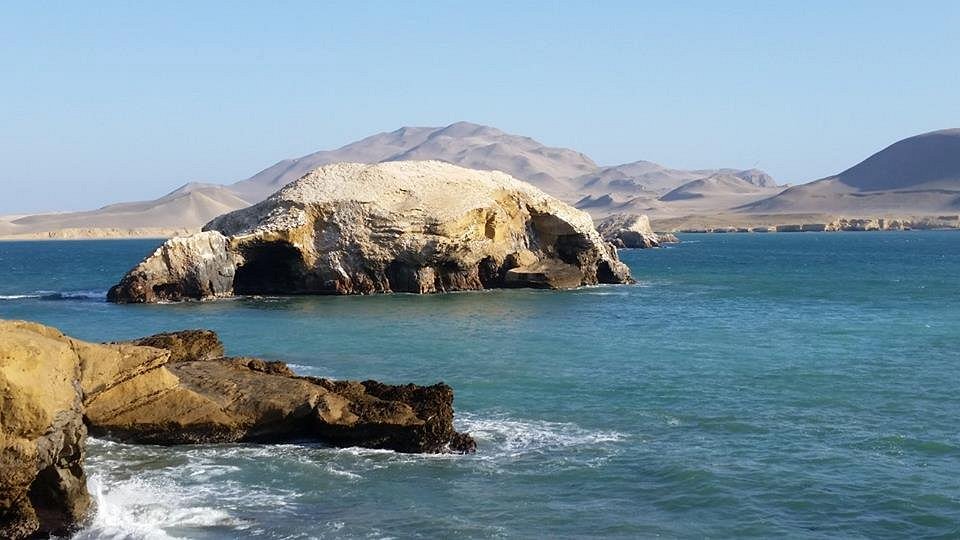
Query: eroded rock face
(196,266)
(42,435)
(631,231)
(175,388)
(351,228)
(181,390)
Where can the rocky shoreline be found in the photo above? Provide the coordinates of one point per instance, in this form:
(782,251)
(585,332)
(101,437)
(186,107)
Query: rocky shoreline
(176,388)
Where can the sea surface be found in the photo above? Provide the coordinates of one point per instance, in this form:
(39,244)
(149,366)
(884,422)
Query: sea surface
(782,385)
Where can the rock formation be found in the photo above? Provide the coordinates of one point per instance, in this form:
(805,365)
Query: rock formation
(42,435)
(175,388)
(631,231)
(348,228)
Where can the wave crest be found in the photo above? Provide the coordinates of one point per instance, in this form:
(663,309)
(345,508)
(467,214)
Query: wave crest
(58,295)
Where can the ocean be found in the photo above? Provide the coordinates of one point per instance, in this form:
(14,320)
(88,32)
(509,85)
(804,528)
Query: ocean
(781,385)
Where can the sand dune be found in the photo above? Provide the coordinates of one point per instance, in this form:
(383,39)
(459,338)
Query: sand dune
(185,208)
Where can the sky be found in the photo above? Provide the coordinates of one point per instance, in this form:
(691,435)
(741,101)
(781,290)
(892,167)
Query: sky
(104,102)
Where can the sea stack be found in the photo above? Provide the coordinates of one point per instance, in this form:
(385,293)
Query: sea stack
(631,231)
(412,226)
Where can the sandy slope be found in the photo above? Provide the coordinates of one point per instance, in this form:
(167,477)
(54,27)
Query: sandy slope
(919,175)
(185,208)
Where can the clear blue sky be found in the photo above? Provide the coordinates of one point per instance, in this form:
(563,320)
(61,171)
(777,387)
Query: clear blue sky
(102,102)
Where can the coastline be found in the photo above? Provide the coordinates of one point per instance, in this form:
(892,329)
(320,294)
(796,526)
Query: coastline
(769,223)
(860,317)
(145,233)
(691,224)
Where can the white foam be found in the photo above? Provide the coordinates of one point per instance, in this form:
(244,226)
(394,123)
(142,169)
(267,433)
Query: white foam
(346,474)
(189,489)
(141,509)
(57,295)
(301,369)
(517,437)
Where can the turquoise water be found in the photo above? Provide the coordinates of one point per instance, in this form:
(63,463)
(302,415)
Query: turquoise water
(801,385)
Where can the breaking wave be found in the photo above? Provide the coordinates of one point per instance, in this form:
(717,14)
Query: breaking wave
(138,509)
(58,295)
(499,435)
(159,493)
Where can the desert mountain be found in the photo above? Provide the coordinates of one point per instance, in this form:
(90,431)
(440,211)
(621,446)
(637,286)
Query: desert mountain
(462,143)
(918,175)
(564,173)
(646,178)
(716,185)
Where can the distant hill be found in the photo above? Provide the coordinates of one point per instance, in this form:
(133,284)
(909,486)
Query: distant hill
(716,185)
(645,176)
(188,207)
(462,143)
(562,172)
(918,175)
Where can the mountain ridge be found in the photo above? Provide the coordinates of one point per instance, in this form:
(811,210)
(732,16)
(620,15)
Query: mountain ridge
(914,176)
(562,172)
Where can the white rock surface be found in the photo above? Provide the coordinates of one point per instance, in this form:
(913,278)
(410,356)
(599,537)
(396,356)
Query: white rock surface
(410,226)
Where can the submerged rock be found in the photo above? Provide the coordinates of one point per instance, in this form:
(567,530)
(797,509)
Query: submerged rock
(632,231)
(177,390)
(350,228)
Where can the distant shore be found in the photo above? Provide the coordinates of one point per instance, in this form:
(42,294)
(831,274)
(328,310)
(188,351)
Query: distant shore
(145,233)
(717,223)
(769,223)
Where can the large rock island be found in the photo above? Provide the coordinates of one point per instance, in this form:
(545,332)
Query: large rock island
(175,388)
(350,228)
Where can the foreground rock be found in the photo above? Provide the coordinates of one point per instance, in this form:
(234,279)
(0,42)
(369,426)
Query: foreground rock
(350,228)
(42,435)
(178,390)
(631,231)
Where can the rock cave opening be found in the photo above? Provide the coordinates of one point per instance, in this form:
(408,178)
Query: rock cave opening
(270,268)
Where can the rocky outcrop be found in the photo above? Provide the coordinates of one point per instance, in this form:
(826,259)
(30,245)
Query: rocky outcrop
(632,231)
(196,266)
(668,238)
(176,388)
(180,390)
(42,435)
(348,228)
(193,345)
